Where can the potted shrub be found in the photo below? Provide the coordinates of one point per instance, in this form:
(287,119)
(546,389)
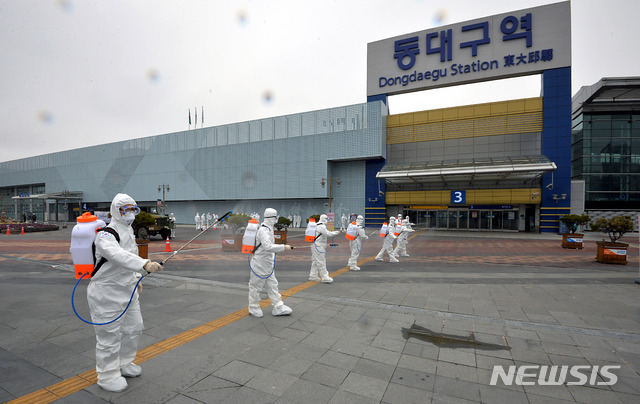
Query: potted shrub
(612,252)
(232,237)
(280,231)
(573,239)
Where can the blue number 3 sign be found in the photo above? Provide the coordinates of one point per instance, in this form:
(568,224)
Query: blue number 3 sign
(458,197)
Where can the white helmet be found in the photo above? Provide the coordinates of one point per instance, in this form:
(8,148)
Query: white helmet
(359,220)
(323,219)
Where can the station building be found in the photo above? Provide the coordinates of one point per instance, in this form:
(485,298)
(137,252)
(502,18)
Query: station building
(606,148)
(499,166)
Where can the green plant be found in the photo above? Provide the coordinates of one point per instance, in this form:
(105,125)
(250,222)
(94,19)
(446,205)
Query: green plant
(237,220)
(573,221)
(282,223)
(615,227)
(145,219)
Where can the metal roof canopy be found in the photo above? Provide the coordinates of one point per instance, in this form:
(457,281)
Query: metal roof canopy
(71,195)
(521,167)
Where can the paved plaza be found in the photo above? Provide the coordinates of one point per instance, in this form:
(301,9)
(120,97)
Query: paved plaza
(429,329)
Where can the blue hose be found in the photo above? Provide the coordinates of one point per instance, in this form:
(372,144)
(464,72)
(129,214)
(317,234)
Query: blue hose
(108,322)
(272,269)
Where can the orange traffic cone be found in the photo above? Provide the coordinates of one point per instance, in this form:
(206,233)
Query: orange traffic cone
(22,232)
(8,230)
(167,247)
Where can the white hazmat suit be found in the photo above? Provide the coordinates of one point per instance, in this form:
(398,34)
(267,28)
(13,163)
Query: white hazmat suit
(401,245)
(262,268)
(108,294)
(387,246)
(356,245)
(318,249)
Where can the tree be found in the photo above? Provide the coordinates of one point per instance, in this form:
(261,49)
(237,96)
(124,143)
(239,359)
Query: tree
(615,227)
(573,221)
(282,223)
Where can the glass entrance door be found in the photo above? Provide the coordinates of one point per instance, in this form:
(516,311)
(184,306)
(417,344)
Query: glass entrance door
(453,220)
(485,220)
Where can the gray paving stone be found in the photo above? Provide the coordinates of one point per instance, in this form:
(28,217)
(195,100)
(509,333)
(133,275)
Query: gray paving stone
(457,355)
(325,375)
(304,391)
(338,360)
(413,378)
(244,395)
(364,386)
(456,388)
(271,382)
(401,394)
(291,365)
(382,355)
(345,397)
(376,370)
(493,394)
(418,363)
(455,371)
(589,395)
(238,372)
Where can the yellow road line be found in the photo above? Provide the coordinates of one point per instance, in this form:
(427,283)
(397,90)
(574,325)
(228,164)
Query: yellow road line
(81,381)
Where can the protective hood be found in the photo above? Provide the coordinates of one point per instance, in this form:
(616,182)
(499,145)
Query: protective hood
(323,219)
(119,201)
(359,220)
(270,217)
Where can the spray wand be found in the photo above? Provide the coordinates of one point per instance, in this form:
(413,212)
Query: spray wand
(220,219)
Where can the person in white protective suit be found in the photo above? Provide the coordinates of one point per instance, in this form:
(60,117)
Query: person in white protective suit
(318,249)
(356,245)
(197,218)
(262,268)
(401,245)
(203,221)
(172,224)
(109,292)
(387,246)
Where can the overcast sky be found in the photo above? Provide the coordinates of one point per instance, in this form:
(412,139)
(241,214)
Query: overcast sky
(79,73)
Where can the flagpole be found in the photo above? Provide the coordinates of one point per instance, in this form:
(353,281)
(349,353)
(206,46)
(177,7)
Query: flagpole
(202,110)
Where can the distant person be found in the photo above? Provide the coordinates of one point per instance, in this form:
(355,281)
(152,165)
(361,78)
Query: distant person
(172,224)
(356,245)
(197,218)
(387,245)
(318,250)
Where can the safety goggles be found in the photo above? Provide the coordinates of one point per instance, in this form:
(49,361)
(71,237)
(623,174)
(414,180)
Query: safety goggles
(129,209)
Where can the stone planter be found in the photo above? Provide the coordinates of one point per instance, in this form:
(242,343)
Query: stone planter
(572,240)
(611,253)
(280,236)
(232,242)
(143,248)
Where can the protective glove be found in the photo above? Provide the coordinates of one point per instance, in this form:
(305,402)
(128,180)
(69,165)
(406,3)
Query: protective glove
(152,267)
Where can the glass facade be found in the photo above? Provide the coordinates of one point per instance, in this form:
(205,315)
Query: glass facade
(245,167)
(606,155)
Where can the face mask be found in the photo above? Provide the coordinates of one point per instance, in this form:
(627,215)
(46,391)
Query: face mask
(129,217)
